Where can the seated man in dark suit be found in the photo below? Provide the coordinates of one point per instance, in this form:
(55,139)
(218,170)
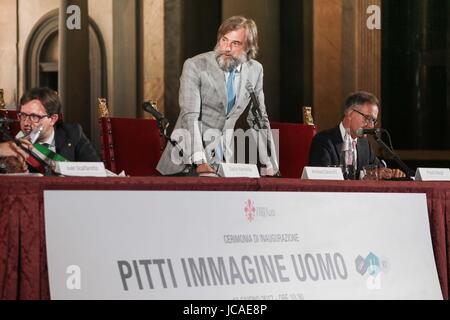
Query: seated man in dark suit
(40,107)
(360,111)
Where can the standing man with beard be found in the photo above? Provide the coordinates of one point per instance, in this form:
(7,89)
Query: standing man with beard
(215,90)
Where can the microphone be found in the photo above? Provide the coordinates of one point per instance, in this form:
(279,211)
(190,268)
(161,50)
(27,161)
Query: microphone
(34,135)
(361,132)
(147,106)
(254,99)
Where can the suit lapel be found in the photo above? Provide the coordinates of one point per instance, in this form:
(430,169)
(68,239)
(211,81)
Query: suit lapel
(337,137)
(61,142)
(244,77)
(361,150)
(241,96)
(218,80)
(59,139)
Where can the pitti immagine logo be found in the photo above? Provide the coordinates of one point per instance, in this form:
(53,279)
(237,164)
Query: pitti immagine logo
(373,267)
(251,211)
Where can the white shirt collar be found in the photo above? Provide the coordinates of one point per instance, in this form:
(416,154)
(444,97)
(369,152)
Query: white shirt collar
(343,132)
(237,70)
(50,140)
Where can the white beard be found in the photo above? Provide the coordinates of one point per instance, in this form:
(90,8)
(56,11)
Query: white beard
(229,63)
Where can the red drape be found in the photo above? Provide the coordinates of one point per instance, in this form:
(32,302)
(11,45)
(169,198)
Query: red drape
(23,262)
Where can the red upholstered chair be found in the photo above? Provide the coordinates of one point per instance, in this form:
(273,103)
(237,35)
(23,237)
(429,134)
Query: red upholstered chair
(294,144)
(133,145)
(12,127)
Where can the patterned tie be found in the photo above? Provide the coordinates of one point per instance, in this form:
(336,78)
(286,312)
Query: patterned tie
(49,146)
(231,94)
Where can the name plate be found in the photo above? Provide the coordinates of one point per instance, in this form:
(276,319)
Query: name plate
(81,169)
(322,173)
(432,174)
(238,170)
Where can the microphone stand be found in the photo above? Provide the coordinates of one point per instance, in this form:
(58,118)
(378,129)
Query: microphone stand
(257,120)
(256,115)
(162,124)
(394,157)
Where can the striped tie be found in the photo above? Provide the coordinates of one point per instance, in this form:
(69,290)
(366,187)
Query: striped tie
(354,150)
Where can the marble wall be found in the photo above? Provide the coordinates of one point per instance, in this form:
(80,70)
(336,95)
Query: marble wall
(8,52)
(327,57)
(346,55)
(153,48)
(17,20)
(101,12)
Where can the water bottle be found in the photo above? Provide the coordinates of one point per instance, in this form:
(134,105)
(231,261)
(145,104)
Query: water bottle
(348,161)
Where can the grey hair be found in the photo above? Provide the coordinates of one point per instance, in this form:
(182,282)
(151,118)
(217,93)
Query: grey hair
(359,98)
(251,31)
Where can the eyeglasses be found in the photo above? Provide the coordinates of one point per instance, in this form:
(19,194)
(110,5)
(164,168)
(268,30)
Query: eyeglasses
(33,117)
(367,119)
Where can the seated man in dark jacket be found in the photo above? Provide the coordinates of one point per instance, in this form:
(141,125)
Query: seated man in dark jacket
(360,111)
(40,107)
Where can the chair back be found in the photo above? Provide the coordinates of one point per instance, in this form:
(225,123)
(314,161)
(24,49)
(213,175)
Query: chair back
(294,144)
(12,127)
(132,145)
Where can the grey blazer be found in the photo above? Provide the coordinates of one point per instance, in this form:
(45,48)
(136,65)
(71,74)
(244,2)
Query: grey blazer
(203,88)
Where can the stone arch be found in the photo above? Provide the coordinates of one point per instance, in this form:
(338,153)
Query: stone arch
(44,31)
(46,28)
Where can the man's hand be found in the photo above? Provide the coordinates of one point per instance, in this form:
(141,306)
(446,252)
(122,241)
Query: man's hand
(387,174)
(267,171)
(10,149)
(13,157)
(384,173)
(204,168)
(26,144)
(397,173)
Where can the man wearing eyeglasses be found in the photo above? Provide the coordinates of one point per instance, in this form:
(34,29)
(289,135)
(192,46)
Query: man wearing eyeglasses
(39,111)
(360,111)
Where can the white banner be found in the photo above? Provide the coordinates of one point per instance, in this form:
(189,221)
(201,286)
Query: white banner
(238,245)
